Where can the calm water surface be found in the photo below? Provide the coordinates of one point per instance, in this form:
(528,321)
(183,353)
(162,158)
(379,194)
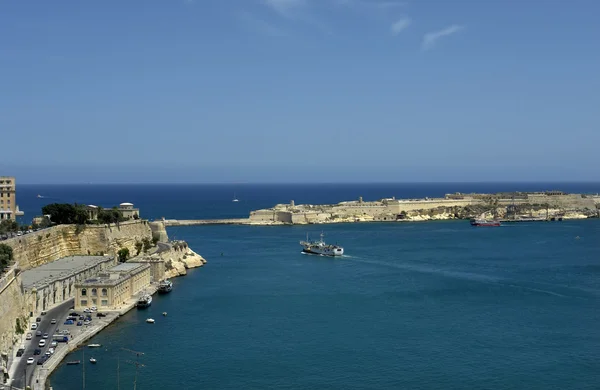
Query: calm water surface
(436,305)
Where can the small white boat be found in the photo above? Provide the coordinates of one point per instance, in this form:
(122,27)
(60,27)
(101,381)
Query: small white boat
(94,346)
(235,199)
(150,320)
(93,361)
(164,313)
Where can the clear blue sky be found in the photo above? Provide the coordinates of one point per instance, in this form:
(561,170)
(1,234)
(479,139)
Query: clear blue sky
(299,90)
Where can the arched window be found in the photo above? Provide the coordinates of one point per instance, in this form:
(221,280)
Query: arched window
(83,292)
(94,292)
(104,292)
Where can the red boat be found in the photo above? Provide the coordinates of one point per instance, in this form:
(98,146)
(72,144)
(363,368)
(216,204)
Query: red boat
(484,222)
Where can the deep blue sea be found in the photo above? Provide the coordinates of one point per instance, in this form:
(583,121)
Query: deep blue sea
(434,305)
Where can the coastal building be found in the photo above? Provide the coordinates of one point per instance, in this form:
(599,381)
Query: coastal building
(8,202)
(92,211)
(111,289)
(129,211)
(54,282)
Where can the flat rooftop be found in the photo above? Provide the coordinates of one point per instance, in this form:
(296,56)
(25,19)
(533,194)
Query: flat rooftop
(60,269)
(123,267)
(104,278)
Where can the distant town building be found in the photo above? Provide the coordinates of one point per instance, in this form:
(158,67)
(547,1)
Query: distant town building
(129,211)
(8,199)
(111,289)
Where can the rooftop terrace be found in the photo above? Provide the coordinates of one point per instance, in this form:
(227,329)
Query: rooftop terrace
(59,269)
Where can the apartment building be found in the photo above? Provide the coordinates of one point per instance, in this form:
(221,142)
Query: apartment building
(8,204)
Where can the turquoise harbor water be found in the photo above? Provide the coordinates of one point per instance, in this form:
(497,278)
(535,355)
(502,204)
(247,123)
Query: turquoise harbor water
(436,305)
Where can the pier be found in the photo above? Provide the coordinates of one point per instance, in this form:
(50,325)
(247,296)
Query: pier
(195,222)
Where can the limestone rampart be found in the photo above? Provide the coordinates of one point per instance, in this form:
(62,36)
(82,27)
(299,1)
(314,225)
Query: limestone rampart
(38,248)
(12,309)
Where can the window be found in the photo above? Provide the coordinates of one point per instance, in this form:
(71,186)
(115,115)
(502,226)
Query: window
(104,302)
(83,292)
(94,292)
(104,292)
(84,302)
(94,301)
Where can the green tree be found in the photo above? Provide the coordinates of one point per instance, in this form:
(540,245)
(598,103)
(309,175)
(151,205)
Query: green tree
(123,254)
(65,213)
(147,244)
(8,226)
(138,247)
(6,255)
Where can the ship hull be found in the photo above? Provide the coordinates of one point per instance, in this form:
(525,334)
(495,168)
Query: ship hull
(142,304)
(490,224)
(327,253)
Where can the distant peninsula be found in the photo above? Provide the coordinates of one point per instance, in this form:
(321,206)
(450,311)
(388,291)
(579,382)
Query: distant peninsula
(508,206)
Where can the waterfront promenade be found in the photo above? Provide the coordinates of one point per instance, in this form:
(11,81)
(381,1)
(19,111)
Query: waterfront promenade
(38,375)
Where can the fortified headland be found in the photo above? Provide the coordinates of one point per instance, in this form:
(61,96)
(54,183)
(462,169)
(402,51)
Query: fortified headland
(508,206)
(52,268)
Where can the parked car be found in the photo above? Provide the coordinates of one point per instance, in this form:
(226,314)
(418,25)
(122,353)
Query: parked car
(39,319)
(79,323)
(29,336)
(68,322)
(93,308)
(81,318)
(100,315)
(44,313)
(87,322)
(20,352)
(51,350)
(30,360)
(73,314)
(54,344)
(33,326)
(42,360)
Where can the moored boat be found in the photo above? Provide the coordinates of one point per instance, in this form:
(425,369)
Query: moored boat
(93,361)
(165,286)
(484,222)
(94,345)
(144,301)
(150,320)
(73,362)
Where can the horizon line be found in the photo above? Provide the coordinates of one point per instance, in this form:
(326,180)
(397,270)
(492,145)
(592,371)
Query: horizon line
(322,183)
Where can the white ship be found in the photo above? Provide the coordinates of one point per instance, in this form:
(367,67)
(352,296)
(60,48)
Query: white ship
(321,248)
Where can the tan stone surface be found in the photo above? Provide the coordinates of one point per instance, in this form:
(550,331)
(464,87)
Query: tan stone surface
(35,249)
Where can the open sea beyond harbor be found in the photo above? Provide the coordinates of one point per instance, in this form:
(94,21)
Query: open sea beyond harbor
(429,305)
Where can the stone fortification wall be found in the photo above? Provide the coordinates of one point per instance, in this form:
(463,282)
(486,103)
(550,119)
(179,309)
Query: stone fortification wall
(159,231)
(35,249)
(12,306)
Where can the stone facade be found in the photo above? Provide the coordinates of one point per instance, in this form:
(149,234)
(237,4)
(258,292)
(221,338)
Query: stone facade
(110,290)
(53,283)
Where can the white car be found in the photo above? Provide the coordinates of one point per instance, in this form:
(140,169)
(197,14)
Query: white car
(33,326)
(87,310)
(53,321)
(30,360)
(93,308)
(51,350)
(54,344)
(29,336)
(42,343)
